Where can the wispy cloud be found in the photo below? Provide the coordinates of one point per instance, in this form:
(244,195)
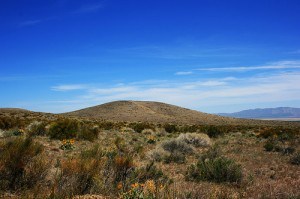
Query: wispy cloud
(295,52)
(69,87)
(271,66)
(274,86)
(30,22)
(184,73)
(88,8)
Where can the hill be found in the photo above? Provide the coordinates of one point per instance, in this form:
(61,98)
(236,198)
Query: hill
(154,112)
(270,113)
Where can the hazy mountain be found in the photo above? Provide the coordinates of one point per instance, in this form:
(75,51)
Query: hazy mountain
(281,112)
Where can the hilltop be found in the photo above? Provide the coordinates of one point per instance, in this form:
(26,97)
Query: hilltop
(156,112)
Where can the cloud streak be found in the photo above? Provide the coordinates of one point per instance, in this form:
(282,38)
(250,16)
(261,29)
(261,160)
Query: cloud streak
(272,66)
(88,9)
(30,23)
(184,73)
(68,87)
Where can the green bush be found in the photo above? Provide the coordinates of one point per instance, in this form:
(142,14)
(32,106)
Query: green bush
(37,129)
(174,157)
(170,128)
(63,129)
(214,131)
(177,146)
(21,165)
(149,172)
(139,127)
(195,139)
(215,169)
(88,132)
(295,159)
(269,146)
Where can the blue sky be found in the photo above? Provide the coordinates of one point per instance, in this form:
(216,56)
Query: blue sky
(209,55)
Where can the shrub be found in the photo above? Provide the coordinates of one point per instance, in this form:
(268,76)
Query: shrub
(269,146)
(158,154)
(106,125)
(77,177)
(63,129)
(150,171)
(21,164)
(288,150)
(175,145)
(139,127)
(82,175)
(87,132)
(177,151)
(174,157)
(14,132)
(148,132)
(214,131)
(216,169)
(295,159)
(37,128)
(170,128)
(195,139)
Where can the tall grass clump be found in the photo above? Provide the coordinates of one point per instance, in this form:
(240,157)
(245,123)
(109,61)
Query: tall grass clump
(170,128)
(215,168)
(295,159)
(195,139)
(88,132)
(22,165)
(171,150)
(37,128)
(63,129)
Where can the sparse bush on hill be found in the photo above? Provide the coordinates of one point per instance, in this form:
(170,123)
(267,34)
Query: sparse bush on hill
(295,159)
(215,168)
(21,164)
(139,127)
(172,151)
(158,154)
(176,146)
(270,146)
(282,133)
(106,125)
(189,128)
(149,172)
(87,132)
(63,129)
(77,177)
(170,128)
(195,139)
(14,132)
(148,132)
(214,131)
(37,129)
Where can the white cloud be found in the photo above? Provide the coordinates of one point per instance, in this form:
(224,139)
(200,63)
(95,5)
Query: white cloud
(88,8)
(69,87)
(275,86)
(275,65)
(30,22)
(184,73)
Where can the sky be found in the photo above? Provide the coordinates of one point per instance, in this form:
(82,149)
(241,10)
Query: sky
(208,55)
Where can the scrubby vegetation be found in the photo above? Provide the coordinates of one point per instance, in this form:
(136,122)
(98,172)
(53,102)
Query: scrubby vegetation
(22,165)
(215,168)
(46,156)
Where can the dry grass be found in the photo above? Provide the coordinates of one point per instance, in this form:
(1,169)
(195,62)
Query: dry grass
(265,174)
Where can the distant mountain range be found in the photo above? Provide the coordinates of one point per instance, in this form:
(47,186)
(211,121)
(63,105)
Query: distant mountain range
(266,113)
